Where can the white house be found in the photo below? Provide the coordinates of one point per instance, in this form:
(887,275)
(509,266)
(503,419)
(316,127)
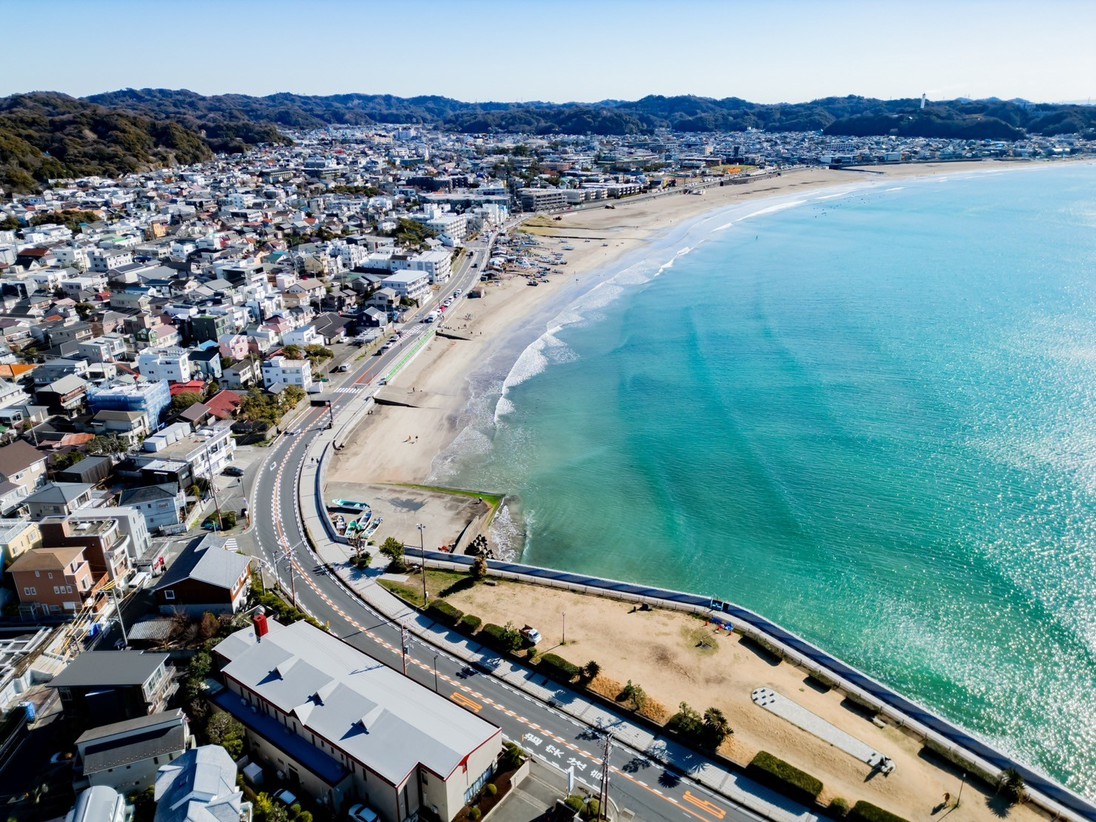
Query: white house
(279,372)
(171,364)
(409,284)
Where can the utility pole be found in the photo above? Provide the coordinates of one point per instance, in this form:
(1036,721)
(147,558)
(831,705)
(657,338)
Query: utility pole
(422,558)
(288,554)
(213,485)
(403,647)
(604,801)
(118,610)
(959,798)
(435,673)
(563,640)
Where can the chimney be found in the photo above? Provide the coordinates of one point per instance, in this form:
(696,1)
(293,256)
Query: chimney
(261,626)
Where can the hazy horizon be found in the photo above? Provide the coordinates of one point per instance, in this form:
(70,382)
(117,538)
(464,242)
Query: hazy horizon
(494,51)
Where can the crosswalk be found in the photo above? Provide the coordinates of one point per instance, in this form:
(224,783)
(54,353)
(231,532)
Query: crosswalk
(350,389)
(231,545)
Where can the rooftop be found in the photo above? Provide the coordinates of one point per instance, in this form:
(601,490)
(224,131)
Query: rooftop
(373,713)
(105,668)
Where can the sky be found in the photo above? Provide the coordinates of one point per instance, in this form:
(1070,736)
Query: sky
(764,51)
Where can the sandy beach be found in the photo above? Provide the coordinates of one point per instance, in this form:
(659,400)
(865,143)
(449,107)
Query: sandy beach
(397,446)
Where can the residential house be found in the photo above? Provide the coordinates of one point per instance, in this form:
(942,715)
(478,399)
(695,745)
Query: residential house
(409,284)
(91,470)
(17,536)
(112,686)
(130,427)
(242,374)
(161,505)
(54,581)
(207,363)
(200,786)
(65,396)
(171,364)
(142,396)
(99,803)
(224,404)
(58,499)
(205,577)
(279,372)
(233,346)
(346,728)
(304,292)
(126,755)
(23,465)
(103,542)
(208,451)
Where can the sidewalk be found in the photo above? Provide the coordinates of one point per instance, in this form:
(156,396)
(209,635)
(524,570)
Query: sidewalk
(737,789)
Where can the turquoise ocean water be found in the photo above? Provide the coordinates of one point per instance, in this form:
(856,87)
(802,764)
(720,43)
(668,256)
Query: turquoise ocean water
(868,414)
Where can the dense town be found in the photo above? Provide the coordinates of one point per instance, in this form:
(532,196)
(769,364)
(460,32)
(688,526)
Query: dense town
(150,327)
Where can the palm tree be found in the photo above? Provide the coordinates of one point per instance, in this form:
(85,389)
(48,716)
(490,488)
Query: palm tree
(1013,785)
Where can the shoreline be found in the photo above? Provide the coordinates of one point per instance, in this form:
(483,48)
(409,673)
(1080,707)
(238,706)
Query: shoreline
(449,385)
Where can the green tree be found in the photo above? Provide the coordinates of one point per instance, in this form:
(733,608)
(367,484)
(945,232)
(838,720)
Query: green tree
(716,728)
(84,310)
(107,445)
(225,730)
(183,401)
(479,568)
(590,671)
(67,460)
(634,696)
(393,549)
(293,352)
(292,395)
(318,353)
(1012,785)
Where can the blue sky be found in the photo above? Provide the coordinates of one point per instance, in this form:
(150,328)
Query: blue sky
(558,50)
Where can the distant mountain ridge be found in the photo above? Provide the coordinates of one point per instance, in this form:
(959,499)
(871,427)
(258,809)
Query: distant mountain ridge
(45,134)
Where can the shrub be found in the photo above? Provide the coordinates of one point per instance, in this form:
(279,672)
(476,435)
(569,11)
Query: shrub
(475,814)
(590,671)
(558,667)
(500,638)
(634,695)
(512,756)
(444,612)
(867,812)
(839,806)
(492,789)
(575,803)
(788,779)
(592,809)
(470,623)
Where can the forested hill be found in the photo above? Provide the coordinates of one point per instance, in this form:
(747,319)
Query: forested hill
(973,119)
(45,134)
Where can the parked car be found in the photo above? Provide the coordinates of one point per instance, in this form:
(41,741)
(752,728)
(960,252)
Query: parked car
(233,471)
(362,813)
(286,797)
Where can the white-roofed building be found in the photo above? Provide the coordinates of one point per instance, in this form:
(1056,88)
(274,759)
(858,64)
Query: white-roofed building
(357,730)
(200,786)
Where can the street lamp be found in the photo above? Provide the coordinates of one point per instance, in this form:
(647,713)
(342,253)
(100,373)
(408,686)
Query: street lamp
(422,559)
(563,641)
(959,798)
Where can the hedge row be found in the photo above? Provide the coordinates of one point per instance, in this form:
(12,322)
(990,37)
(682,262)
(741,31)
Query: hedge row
(495,636)
(444,612)
(780,776)
(558,667)
(470,623)
(866,812)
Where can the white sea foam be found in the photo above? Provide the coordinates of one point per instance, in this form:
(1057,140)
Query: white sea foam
(773,209)
(896,188)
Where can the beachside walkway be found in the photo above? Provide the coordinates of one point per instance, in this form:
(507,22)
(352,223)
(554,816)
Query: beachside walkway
(810,722)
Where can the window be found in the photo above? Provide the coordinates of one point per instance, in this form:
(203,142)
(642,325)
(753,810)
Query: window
(28,591)
(169,594)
